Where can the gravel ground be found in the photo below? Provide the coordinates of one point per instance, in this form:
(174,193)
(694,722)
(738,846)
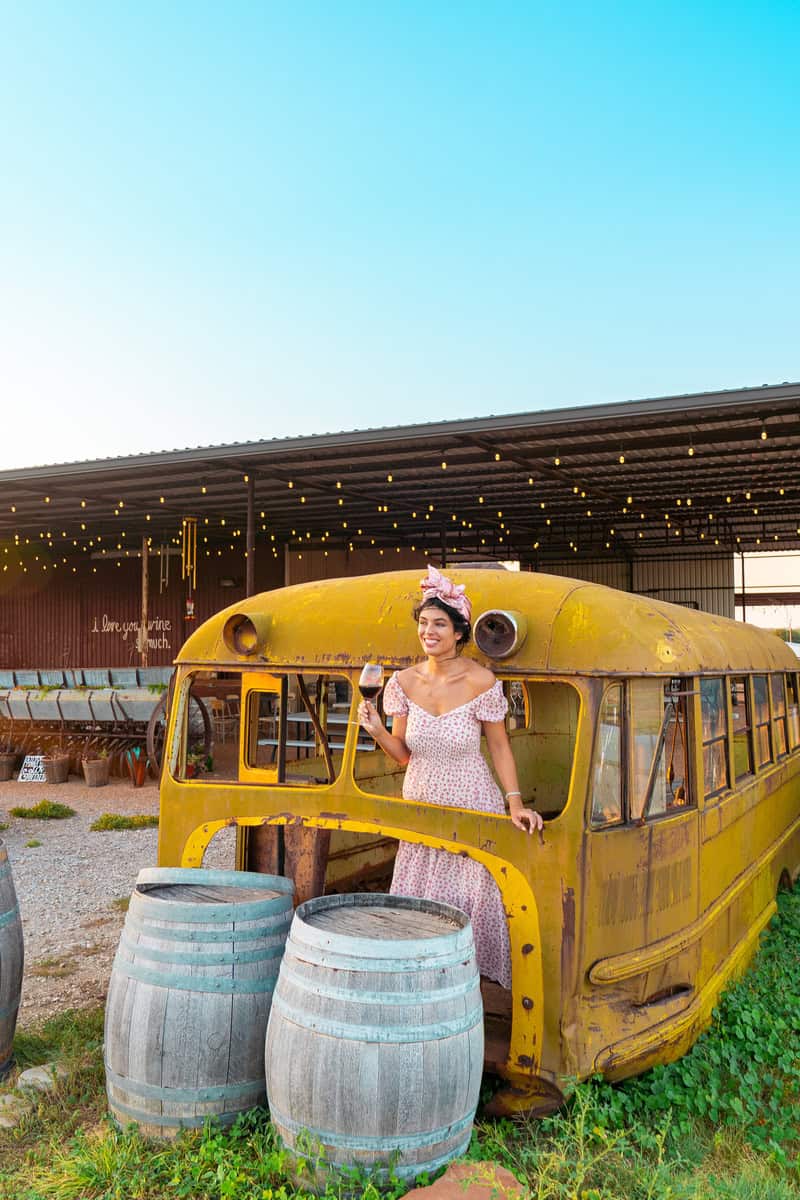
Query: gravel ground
(67,886)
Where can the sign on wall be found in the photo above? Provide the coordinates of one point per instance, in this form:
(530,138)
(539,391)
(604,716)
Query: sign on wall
(158,629)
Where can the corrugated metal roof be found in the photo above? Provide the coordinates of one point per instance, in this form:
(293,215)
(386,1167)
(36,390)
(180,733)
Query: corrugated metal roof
(537,486)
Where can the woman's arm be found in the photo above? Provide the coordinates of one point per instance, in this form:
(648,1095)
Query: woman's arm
(503,759)
(392,743)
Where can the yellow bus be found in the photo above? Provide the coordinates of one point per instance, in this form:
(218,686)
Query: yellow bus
(661,745)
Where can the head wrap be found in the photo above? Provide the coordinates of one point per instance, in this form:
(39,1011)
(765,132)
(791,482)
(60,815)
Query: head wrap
(438,586)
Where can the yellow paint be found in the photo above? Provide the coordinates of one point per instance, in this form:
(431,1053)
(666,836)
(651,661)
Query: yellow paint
(621,938)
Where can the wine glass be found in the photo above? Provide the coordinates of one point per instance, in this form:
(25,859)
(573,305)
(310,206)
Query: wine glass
(370,681)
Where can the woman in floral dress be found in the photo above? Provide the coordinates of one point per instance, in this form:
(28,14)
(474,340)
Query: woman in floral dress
(441,707)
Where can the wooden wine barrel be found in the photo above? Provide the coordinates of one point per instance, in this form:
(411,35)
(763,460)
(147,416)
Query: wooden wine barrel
(375,1039)
(11,961)
(190,992)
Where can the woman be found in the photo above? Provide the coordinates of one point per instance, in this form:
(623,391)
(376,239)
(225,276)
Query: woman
(440,708)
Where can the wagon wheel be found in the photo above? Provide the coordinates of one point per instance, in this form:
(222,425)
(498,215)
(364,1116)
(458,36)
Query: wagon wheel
(200,729)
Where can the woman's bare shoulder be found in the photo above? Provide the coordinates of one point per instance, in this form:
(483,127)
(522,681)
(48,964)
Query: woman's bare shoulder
(480,678)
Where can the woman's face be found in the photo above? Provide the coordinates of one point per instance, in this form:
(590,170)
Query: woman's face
(437,633)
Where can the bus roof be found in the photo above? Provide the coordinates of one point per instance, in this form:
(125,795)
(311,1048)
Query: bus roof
(573,627)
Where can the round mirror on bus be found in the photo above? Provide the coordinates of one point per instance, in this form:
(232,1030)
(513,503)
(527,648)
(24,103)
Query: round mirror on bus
(240,635)
(499,633)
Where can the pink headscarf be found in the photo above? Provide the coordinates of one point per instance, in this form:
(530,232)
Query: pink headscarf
(453,594)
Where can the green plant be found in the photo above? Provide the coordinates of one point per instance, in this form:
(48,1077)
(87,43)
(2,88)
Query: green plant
(45,810)
(4,825)
(33,843)
(743,1072)
(121,903)
(52,968)
(111,821)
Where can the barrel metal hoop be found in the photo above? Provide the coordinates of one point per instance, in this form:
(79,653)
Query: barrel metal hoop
(167,934)
(360,997)
(347,962)
(220,959)
(198,1095)
(171,1122)
(188,983)
(460,943)
(395,1034)
(210,914)
(389,1145)
(7,917)
(161,875)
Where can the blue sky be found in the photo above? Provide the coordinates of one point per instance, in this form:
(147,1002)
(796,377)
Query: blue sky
(230,221)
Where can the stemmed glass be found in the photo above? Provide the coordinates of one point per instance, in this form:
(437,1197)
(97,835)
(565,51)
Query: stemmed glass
(370,681)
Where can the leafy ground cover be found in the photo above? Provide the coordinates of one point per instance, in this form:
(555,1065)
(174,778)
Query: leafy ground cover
(113,821)
(720,1124)
(45,810)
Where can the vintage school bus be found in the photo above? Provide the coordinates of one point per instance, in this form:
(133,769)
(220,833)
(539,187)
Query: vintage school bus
(661,745)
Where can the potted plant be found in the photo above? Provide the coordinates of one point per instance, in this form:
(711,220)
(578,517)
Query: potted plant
(8,760)
(96,767)
(197,761)
(56,765)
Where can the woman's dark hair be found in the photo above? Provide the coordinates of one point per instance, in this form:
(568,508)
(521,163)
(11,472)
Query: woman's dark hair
(460,624)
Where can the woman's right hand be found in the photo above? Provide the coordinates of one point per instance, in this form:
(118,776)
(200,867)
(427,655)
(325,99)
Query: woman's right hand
(369,718)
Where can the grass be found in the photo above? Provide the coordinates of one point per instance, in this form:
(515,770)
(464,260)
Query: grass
(110,821)
(3,826)
(33,843)
(121,903)
(657,1137)
(45,810)
(52,968)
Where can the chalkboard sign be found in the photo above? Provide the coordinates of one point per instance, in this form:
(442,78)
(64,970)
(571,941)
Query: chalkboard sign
(32,770)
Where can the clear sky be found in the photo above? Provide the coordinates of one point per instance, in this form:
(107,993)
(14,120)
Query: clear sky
(229,221)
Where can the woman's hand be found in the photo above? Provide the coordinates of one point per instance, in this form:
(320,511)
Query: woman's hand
(369,719)
(526,818)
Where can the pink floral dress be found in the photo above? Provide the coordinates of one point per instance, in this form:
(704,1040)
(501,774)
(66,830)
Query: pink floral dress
(446,767)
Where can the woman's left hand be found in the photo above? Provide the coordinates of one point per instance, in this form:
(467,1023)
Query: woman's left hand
(527,818)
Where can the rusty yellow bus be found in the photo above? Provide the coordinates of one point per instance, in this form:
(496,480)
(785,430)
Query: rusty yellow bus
(661,745)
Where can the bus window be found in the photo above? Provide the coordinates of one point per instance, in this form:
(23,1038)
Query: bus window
(518,705)
(715,736)
(543,722)
(295,729)
(742,728)
(778,715)
(793,711)
(761,720)
(668,788)
(647,714)
(607,776)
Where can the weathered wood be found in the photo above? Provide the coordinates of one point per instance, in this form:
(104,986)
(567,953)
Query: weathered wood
(12,955)
(189,997)
(375,1038)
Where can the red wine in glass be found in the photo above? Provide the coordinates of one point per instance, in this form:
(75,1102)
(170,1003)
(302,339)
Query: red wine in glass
(370,681)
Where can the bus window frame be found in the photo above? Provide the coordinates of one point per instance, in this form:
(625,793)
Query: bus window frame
(791,682)
(725,736)
(623,821)
(747,695)
(760,764)
(689,689)
(777,721)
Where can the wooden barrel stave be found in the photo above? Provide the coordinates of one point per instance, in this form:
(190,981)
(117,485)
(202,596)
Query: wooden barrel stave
(12,957)
(189,1001)
(354,1053)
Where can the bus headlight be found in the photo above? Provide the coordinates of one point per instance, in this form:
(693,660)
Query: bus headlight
(245,635)
(499,633)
